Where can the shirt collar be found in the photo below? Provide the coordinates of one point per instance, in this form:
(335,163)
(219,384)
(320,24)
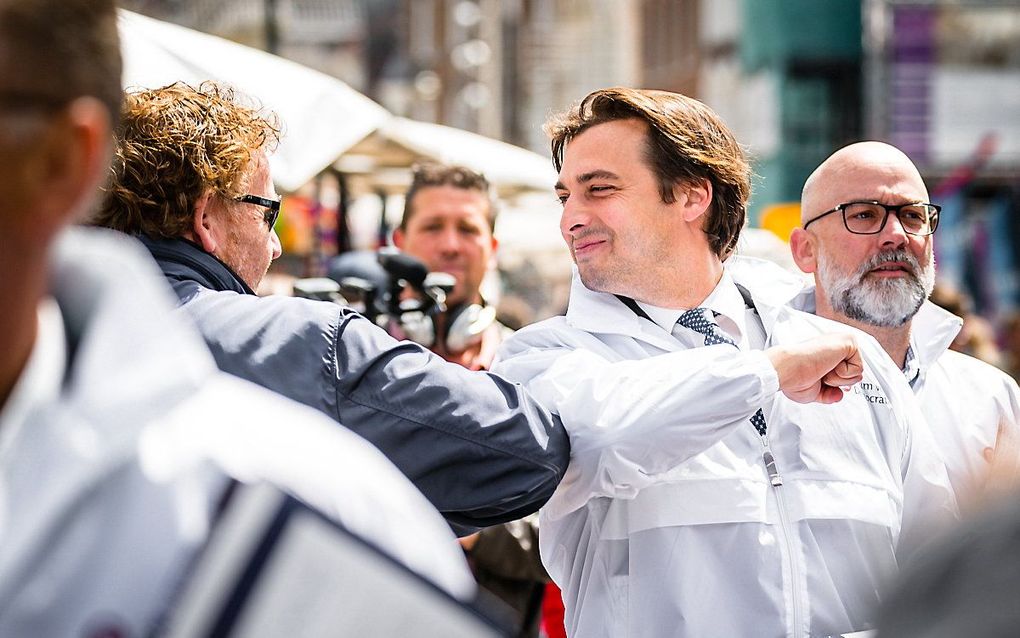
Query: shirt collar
(725,302)
(911,366)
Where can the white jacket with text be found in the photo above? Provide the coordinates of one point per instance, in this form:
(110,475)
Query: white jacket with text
(666,523)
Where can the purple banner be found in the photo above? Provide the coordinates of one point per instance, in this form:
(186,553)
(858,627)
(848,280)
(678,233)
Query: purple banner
(912,50)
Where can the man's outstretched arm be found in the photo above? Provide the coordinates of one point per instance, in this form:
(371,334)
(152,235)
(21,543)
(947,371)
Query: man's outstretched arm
(479,447)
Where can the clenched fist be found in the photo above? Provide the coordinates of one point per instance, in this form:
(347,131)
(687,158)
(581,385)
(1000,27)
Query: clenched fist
(816,370)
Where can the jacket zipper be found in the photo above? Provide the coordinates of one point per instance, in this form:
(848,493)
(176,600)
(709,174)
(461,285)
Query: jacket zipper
(776,480)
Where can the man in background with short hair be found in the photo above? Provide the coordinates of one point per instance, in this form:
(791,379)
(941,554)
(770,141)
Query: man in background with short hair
(448,223)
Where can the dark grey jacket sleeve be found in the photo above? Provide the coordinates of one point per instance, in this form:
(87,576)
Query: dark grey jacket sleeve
(479,448)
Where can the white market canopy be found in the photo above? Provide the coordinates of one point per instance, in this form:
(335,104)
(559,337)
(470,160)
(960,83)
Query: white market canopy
(325,121)
(510,168)
(322,116)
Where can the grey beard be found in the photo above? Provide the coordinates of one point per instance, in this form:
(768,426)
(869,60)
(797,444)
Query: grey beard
(885,303)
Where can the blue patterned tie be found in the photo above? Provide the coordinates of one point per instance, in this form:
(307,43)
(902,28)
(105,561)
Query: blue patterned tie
(698,321)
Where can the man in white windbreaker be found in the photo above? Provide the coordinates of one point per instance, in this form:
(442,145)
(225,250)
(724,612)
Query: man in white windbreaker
(866,236)
(737,468)
(118,435)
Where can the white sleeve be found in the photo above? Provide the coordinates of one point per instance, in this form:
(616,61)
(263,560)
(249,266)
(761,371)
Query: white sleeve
(629,420)
(259,436)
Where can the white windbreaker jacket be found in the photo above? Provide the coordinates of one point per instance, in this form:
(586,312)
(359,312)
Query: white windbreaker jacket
(972,407)
(666,523)
(108,489)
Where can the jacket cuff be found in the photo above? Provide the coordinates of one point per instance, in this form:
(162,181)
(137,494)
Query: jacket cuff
(760,365)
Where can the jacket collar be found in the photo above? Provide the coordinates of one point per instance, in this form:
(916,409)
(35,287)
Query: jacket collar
(932,329)
(604,313)
(182,260)
(931,332)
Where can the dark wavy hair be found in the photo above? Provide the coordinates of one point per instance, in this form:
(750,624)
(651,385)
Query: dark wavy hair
(173,145)
(686,142)
(429,174)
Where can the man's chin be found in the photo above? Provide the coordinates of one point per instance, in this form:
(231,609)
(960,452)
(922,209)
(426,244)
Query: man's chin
(889,310)
(590,281)
(456,297)
(255,282)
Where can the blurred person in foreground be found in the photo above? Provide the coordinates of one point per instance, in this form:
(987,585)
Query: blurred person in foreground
(965,581)
(737,468)
(118,436)
(191,179)
(448,223)
(866,235)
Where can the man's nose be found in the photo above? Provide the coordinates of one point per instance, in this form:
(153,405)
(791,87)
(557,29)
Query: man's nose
(573,218)
(449,240)
(893,233)
(274,241)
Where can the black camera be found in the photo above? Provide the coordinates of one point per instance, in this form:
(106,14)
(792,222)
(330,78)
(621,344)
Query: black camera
(392,289)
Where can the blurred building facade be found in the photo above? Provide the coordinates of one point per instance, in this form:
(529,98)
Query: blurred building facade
(943,84)
(785,74)
(344,38)
(795,79)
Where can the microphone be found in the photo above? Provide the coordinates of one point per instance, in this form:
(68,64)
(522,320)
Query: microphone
(403,266)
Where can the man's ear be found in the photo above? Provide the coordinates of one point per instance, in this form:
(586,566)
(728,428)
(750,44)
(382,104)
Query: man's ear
(695,198)
(205,225)
(493,255)
(398,238)
(804,251)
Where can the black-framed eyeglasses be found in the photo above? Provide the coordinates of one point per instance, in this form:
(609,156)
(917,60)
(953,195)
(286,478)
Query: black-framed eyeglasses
(870,217)
(272,207)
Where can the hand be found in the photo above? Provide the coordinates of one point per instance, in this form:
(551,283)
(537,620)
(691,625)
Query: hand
(816,370)
(468,542)
(1003,460)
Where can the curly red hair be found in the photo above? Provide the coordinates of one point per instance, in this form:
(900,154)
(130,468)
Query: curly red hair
(173,145)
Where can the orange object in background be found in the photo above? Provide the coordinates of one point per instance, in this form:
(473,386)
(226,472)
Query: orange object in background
(296,226)
(306,227)
(781,219)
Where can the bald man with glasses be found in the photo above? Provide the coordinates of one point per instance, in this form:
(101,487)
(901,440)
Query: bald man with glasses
(866,237)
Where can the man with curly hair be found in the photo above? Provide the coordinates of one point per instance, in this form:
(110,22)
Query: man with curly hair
(204,152)
(191,180)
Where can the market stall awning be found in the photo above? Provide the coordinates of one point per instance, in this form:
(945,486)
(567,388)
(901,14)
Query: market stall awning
(323,117)
(399,142)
